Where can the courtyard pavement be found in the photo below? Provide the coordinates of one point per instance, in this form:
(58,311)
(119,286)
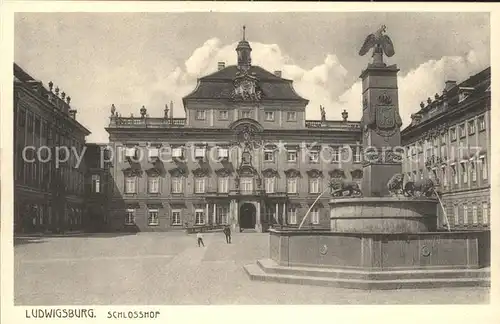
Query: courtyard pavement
(170,269)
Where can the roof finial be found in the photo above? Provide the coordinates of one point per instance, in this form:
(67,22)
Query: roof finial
(244,27)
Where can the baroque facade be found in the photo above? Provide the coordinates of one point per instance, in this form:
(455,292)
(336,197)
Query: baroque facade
(244,155)
(48,196)
(448,141)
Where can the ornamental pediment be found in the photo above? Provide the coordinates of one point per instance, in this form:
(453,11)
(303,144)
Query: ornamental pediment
(337,173)
(201,172)
(132,172)
(247,171)
(314,173)
(246,88)
(178,172)
(223,172)
(270,173)
(292,173)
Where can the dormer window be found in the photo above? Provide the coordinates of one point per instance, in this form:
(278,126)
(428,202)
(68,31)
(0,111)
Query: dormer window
(472,127)
(464,92)
(177,152)
(200,114)
(461,130)
(268,155)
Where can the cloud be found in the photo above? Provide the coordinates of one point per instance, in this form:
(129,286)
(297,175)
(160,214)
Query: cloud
(323,84)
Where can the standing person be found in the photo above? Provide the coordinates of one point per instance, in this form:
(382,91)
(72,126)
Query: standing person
(227,232)
(200,239)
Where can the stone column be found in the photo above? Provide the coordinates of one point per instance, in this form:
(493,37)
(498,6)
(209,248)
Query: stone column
(381,124)
(215,213)
(276,213)
(206,211)
(258,224)
(236,225)
(284,213)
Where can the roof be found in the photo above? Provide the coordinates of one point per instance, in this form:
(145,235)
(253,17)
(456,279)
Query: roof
(479,83)
(219,85)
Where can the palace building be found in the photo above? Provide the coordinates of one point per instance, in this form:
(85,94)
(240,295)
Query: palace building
(48,196)
(449,141)
(244,155)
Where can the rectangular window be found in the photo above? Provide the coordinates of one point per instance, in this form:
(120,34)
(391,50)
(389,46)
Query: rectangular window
(177,184)
(464,171)
(153,217)
(474,215)
(472,127)
(130,217)
(96,183)
(199,186)
(453,134)
(291,156)
(455,173)
(223,184)
(444,138)
(130,152)
(176,217)
(223,115)
(335,154)
(177,152)
(154,184)
(223,153)
(269,184)
(292,185)
(357,154)
(130,185)
(484,167)
(245,114)
(199,217)
(269,115)
(315,216)
(473,171)
(292,214)
(481,123)
(291,116)
(313,157)
(221,217)
(456,218)
(461,130)
(199,152)
(314,185)
(246,185)
(200,114)
(485,214)
(466,214)
(268,156)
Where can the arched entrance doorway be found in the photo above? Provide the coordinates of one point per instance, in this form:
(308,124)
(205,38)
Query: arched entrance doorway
(247,216)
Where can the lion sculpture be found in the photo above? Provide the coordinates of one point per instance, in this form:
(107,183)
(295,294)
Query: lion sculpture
(418,188)
(341,186)
(395,184)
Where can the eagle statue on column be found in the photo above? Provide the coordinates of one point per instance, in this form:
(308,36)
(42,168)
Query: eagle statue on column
(378,41)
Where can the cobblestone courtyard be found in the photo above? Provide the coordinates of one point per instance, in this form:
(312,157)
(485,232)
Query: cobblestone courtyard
(169,269)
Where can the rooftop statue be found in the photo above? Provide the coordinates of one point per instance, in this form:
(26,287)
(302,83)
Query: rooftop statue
(380,43)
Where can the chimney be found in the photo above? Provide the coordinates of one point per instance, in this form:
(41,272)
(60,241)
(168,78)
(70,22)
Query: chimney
(72,113)
(171,109)
(277,73)
(449,84)
(221,65)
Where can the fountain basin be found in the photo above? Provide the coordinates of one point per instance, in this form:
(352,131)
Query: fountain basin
(376,260)
(383,214)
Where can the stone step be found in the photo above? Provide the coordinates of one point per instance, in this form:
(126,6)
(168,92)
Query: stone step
(255,272)
(271,267)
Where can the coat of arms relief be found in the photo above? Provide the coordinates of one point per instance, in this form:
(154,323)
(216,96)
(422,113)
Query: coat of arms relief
(246,88)
(384,118)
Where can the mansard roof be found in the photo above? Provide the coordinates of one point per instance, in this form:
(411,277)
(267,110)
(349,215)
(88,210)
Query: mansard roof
(219,85)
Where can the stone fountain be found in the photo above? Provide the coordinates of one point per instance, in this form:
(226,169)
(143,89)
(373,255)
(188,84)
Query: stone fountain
(387,238)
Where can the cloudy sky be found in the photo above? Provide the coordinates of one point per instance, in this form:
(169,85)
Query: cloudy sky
(135,59)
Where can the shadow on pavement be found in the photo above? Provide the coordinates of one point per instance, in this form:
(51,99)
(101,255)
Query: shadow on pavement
(38,237)
(27,240)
